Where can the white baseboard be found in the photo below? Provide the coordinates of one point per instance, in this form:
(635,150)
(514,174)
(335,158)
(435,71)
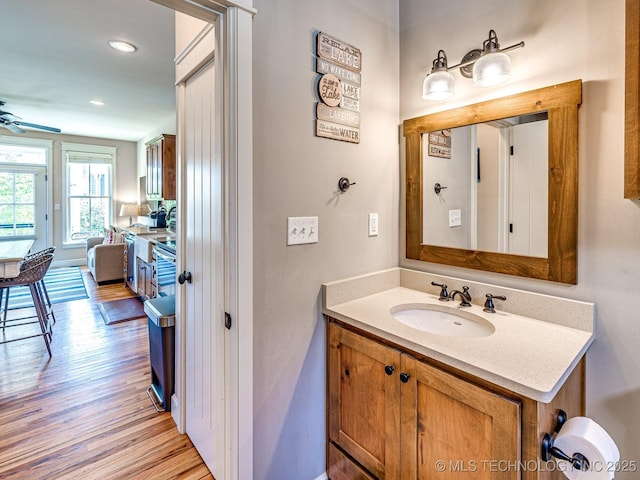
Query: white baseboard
(175,413)
(74,262)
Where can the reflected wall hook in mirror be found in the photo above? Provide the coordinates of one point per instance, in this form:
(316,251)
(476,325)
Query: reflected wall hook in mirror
(343,184)
(438,188)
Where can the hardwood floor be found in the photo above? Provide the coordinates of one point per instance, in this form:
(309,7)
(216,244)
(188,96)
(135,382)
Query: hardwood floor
(84,413)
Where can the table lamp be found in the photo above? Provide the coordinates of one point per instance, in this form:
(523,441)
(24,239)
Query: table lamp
(129,209)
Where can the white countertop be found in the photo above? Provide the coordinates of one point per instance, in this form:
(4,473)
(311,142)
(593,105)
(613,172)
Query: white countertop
(14,250)
(12,253)
(144,231)
(528,356)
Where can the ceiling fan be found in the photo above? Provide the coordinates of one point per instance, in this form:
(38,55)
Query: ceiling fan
(14,123)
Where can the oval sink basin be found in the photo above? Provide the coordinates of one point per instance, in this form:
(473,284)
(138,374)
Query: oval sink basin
(442,320)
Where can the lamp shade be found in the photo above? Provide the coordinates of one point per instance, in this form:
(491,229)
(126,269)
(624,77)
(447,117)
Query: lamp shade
(129,209)
(491,69)
(438,85)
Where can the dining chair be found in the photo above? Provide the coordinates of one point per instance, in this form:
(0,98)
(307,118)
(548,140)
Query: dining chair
(5,292)
(32,272)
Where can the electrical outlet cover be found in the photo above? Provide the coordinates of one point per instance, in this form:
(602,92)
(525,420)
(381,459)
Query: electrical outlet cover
(455,218)
(373,224)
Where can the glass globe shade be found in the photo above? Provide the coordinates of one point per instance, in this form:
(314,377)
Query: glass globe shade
(438,85)
(491,69)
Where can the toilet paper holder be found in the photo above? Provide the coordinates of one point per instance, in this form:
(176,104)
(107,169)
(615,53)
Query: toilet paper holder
(547,450)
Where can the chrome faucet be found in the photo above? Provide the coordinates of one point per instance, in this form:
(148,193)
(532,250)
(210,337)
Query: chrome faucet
(465,296)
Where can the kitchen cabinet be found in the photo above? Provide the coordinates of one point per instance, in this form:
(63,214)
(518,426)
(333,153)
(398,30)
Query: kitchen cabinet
(144,279)
(161,168)
(394,414)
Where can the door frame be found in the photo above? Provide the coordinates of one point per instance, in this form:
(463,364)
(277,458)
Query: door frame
(233,24)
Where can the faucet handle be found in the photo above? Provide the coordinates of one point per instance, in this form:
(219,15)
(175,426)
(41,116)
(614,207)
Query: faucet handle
(444,295)
(466,297)
(488,304)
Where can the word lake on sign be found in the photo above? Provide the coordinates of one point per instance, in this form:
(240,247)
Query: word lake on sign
(337,115)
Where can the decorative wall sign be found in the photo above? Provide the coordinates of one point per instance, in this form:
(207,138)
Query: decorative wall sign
(322,66)
(336,131)
(350,104)
(351,91)
(440,143)
(330,90)
(338,115)
(338,112)
(336,51)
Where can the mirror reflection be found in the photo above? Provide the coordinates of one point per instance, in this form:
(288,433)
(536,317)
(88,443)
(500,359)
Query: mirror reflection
(505,197)
(486,186)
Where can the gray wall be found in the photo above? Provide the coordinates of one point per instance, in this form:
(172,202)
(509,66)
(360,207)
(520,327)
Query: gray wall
(455,174)
(565,40)
(296,174)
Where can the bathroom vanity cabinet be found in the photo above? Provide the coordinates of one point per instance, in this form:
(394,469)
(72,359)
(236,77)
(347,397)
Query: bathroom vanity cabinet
(396,414)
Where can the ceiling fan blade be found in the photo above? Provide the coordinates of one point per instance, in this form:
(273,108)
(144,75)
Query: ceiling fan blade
(8,116)
(39,127)
(12,127)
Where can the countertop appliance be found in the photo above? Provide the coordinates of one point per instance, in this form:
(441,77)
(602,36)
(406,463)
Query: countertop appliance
(159,218)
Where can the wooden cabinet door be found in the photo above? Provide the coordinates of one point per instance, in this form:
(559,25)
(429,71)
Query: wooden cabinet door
(161,168)
(342,468)
(153,170)
(150,171)
(453,430)
(167,168)
(364,401)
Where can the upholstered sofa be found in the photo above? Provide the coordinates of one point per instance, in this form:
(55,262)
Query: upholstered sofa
(105,261)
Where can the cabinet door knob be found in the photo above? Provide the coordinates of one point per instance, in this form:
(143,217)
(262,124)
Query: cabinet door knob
(389,369)
(404,377)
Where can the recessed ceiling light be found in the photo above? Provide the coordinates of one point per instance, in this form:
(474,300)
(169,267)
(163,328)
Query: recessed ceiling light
(122,46)
(98,103)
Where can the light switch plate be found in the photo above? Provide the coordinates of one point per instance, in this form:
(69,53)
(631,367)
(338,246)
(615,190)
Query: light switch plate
(455,218)
(373,224)
(302,230)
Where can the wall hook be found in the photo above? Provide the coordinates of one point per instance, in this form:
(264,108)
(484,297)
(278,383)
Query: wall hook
(438,188)
(343,184)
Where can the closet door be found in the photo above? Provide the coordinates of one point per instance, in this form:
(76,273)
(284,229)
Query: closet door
(204,316)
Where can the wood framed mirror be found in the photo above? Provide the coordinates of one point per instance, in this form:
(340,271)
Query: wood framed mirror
(632,101)
(560,102)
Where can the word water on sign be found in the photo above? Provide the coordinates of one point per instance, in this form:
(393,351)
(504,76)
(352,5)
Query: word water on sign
(338,111)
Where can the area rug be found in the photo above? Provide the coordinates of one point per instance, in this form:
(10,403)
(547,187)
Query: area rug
(117,311)
(64,284)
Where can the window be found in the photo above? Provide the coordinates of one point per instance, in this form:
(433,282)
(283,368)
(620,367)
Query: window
(22,154)
(17,203)
(23,190)
(89,190)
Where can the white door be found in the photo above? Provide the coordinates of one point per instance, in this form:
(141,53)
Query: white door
(205,259)
(529,166)
(23,205)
